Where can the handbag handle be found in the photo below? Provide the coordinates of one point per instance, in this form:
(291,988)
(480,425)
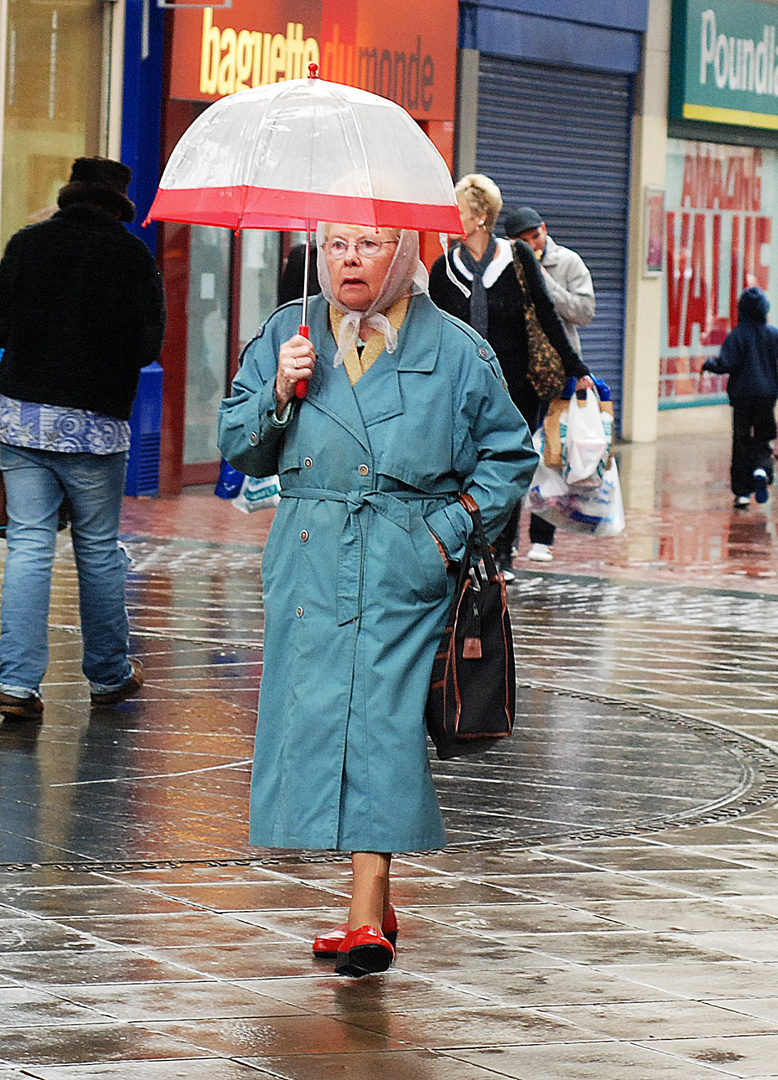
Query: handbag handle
(477,540)
(526,299)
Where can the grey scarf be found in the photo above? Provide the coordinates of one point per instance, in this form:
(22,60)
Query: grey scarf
(479,312)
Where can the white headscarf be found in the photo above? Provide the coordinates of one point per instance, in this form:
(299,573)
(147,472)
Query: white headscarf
(406,274)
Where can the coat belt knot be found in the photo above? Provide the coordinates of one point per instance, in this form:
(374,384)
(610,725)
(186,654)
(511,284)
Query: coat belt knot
(350,560)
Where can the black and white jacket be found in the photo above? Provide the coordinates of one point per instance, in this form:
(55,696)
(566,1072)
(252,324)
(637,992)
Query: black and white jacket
(507,332)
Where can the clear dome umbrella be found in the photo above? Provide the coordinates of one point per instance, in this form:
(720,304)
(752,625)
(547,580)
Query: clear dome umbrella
(292,154)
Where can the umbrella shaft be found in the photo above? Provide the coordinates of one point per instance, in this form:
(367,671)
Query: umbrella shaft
(306,273)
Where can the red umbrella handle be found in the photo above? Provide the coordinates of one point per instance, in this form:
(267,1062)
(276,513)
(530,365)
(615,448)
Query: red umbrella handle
(301,388)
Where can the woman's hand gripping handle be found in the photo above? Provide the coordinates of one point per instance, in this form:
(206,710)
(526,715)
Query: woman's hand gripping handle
(296,360)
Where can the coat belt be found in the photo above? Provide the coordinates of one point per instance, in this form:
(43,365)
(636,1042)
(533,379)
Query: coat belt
(395,509)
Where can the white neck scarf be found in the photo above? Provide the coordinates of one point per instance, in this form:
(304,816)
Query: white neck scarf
(406,274)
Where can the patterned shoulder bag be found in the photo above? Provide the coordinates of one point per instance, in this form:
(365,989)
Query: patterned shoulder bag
(545,369)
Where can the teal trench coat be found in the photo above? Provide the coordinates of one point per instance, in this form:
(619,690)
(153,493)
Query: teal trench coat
(356,592)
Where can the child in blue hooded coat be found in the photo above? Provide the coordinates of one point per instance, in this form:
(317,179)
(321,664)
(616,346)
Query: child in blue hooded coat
(749,356)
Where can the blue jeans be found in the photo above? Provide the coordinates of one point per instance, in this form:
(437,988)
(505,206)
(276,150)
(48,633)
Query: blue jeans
(36,482)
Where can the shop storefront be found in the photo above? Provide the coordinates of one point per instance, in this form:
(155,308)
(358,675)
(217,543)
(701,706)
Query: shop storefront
(545,110)
(721,192)
(220,286)
(62,92)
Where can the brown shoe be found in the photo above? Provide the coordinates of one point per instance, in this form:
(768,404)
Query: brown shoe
(21,708)
(132,686)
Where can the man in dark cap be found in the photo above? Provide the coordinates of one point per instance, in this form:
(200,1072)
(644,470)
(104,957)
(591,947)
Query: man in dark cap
(565,274)
(81,312)
(569,285)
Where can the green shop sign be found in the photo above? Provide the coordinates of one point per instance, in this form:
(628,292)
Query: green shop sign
(724,62)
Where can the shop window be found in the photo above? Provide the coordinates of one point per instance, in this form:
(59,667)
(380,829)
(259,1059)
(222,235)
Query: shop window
(210,260)
(57,52)
(260,253)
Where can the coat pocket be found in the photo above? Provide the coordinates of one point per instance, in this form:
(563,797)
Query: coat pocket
(433,582)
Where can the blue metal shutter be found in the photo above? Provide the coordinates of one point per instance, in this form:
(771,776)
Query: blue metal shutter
(558,139)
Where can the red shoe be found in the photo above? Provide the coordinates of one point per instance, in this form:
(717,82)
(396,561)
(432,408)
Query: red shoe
(363,952)
(327,944)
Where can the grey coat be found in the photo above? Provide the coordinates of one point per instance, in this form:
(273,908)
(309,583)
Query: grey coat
(569,285)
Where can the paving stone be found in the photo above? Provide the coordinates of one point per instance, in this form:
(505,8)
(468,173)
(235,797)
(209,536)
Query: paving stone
(75,1044)
(638,1021)
(97,899)
(705,979)
(202,1068)
(307,1034)
(108,965)
(765,1008)
(682,914)
(189,928)
(23,935)
(739,1055)
(388,1065)
(333,996)
(624,1061)
(20,1007)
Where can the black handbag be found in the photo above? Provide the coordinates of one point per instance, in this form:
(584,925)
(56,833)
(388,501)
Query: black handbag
(472,696)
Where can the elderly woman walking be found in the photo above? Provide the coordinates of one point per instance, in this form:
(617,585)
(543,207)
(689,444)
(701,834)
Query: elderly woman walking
(404,409)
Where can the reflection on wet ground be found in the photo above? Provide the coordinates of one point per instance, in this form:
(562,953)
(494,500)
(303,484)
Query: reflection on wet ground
(607,906)
(166,776)
(682,526)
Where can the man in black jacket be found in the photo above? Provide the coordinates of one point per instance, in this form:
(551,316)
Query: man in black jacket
(81,312)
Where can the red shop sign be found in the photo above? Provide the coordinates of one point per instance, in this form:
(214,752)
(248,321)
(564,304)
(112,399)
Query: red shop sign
(404,51)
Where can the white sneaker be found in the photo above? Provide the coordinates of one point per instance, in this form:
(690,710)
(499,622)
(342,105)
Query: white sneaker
(760,485)
(540,553)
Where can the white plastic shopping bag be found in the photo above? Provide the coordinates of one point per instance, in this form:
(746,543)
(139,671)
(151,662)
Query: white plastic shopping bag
(597,511)
(585,443)
(258,493)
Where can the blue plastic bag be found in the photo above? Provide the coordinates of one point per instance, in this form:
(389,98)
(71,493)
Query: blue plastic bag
(230,481)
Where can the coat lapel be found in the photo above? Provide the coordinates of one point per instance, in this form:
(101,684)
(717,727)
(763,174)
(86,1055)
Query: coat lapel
(377,395)
(379,391)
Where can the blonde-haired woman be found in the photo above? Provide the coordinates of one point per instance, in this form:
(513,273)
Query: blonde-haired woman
(404,409)
(483,199)
(477,283)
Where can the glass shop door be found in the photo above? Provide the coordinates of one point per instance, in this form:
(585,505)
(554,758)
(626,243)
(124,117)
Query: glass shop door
(233,286)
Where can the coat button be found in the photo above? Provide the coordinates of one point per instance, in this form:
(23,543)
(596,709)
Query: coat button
(483,352)
(308,463)
(363,470)
(304,535)
(254,438)
(300,613)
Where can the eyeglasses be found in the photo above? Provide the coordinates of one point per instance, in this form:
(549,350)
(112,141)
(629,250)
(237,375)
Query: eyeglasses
(366,248)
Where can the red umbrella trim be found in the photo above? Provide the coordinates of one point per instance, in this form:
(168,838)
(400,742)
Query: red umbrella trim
(269,208)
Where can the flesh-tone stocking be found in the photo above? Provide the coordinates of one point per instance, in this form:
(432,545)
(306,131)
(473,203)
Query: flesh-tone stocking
(370,889)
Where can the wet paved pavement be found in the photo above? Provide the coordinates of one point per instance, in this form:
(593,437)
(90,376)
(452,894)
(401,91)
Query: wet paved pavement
(607,907)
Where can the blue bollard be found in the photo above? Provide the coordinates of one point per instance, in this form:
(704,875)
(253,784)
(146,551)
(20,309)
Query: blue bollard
(146,429)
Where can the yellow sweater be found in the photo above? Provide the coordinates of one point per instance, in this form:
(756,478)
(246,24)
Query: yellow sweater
(357,365)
